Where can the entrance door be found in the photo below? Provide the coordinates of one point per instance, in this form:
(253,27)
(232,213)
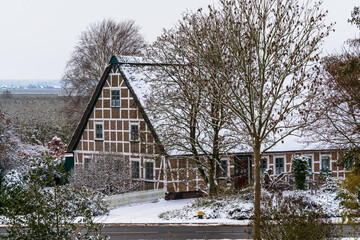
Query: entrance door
(242,171)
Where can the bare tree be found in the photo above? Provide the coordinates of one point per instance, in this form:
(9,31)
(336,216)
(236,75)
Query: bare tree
(190,120)
(91,55)
(339,123)
(355,16)
(270,71)
(265,57)
(108,173)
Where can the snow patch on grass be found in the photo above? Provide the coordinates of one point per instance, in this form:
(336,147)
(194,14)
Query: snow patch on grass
(240,206)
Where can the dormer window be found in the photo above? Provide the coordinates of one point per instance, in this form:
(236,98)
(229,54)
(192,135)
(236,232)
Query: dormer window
(115,98)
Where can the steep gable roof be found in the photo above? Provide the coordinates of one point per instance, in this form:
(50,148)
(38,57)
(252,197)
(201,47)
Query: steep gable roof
(115,62)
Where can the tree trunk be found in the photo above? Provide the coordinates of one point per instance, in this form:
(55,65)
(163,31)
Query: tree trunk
(212,184)
(257,212)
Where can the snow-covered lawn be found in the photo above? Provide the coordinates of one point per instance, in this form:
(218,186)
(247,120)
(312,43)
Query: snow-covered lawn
(232,209)
(149,213)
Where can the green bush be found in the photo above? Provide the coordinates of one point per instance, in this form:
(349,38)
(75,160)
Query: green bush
(300,172)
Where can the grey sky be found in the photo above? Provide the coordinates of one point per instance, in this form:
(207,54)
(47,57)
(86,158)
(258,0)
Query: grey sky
(37,36)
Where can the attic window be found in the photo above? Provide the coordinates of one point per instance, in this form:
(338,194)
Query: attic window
(115,98)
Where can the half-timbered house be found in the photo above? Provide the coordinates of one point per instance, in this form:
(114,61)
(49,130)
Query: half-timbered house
(115,121)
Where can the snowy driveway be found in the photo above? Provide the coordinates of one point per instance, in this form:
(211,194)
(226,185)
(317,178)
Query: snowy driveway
(148,213)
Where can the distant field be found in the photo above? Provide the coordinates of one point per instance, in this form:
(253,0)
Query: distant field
(36,114)
(56,91)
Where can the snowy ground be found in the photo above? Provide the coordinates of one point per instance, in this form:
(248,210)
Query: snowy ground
(149,213)
(232,209)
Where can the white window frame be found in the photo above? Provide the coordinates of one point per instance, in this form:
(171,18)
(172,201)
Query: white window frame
(312,161)
(330,163)
(284,163)
(102,128)
(115,89)
(144,170)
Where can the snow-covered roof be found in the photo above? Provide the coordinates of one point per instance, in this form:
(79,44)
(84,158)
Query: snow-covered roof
(138,72)
(137,76)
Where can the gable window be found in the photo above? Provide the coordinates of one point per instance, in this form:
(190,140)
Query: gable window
(115,98)
(224,167)
(263,166)
(325,163)
(279,165)
(135,169)
(134,133)
(149,170)
(98,131)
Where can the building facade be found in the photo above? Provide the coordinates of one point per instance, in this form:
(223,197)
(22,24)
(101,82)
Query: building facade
(116,122)
(238,168)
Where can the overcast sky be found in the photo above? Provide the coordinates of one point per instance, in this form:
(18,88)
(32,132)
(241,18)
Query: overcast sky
(38,36)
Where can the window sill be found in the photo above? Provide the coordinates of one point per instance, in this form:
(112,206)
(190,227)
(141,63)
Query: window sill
(115,106)
(98,140)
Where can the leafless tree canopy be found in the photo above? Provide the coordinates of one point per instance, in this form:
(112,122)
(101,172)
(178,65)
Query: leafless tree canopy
(262,57)
(108,173)
(185,100)
(91,55)
(339,123)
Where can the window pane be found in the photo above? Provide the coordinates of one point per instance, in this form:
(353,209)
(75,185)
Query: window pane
(149,170)
(263,166)
(115,98)
(87,162)
(135,173)
(98,131)
(224,168)
(325,163)
(310,162)
(279,162)
(134,132)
